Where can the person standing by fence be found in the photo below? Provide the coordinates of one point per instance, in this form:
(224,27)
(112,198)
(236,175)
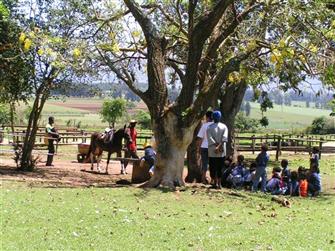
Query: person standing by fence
(262,161)
(52,135)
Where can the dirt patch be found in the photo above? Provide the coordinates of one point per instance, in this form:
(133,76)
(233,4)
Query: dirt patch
(65,174)
(96,107)
(91,107)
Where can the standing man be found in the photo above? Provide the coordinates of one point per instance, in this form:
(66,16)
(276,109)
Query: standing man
(217,135)
(52,135)
(131,151)
(203,148)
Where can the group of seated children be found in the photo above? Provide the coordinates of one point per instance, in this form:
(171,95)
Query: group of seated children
(303,182)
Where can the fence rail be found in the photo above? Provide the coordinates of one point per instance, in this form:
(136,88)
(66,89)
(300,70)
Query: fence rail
(276,142)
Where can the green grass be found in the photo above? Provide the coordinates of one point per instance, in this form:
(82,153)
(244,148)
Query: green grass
(288,117)
(135,219)
(293,117)
(127,218)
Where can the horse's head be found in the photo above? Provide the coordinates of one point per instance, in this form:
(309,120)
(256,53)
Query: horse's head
(126,135)
(123,133)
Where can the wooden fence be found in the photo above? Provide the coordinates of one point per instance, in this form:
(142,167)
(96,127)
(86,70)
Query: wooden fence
(278,143)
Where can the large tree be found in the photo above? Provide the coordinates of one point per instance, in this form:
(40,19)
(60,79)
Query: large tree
(205,44)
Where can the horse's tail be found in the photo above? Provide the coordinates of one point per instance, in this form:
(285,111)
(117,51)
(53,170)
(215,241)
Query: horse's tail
(94,137)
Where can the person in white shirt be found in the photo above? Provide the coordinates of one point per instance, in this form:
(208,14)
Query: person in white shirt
(203,146)
(217,135)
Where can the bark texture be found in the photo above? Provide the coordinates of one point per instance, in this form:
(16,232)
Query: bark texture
(230,104)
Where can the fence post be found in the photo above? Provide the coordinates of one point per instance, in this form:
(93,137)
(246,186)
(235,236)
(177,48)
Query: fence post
(278,152)
(320,147)
(253,144)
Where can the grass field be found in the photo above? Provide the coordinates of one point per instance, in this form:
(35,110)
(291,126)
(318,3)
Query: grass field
(85,111)
(289,117)
(35,217)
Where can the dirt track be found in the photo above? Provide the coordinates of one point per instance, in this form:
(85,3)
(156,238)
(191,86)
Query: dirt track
(65,174)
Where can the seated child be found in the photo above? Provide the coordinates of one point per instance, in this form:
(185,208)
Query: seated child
(249,175)
(274,185)
(303,183)
(314,184)
(226,171)
(149,158)
(286,176)
(236,177)
(294,185)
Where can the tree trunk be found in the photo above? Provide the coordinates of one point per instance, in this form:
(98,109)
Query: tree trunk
(172,141)
(193,156)
(231,100)
(12,111)
(26,160)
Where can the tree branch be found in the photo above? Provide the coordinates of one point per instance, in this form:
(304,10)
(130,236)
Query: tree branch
(123,75)
(197,37)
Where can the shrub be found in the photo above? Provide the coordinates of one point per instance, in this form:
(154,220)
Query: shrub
(144,119)
(4,114)
(245,124)
(322,125)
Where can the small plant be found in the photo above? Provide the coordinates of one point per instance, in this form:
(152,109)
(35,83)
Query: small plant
(32,163)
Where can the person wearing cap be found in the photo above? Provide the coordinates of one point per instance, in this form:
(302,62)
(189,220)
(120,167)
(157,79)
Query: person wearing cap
(52,135)
(217,136)
(149,157)
(131,151)
(203,146)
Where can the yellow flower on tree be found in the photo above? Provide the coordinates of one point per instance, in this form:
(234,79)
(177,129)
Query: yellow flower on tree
(27,44)
(22,37)
(76,53)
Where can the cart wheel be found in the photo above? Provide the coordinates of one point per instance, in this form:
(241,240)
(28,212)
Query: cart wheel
(81,158)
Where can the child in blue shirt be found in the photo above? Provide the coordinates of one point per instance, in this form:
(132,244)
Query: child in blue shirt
(294,185)
(286,176)
(314,182)
(149,158)
(237,175)
(262,161)
(274,185)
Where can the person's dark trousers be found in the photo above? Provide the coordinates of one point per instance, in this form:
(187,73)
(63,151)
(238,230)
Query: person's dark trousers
(129,154)
(51,152)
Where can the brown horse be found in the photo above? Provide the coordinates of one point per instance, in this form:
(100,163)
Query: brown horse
(98,145)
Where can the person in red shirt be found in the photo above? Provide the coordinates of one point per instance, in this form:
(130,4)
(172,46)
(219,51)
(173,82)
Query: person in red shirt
(131,151)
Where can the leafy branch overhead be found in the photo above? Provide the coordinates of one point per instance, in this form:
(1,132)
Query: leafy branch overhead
(210,43)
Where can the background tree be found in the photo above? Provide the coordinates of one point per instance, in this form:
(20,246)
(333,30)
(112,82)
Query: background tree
(49,47)
(247,109)
(112,110)
(144,120)
(14,72)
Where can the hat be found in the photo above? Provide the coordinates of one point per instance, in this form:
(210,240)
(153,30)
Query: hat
(133,121)
(146,144)
(216,115)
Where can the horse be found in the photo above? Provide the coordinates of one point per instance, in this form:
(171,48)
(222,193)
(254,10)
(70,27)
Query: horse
(98,145)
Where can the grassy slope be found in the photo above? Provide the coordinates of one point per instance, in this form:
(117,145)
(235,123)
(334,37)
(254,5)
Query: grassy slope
(296,116)
(287,117)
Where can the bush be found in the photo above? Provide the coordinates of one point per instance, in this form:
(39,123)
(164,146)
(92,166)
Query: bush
(322,125)
(144,119)
(4,114)
(245,124)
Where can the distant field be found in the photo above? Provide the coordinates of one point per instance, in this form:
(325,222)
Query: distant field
(289,117)
(86,112)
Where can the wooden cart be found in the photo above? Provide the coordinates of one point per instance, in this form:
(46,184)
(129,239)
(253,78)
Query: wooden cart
(83,149)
